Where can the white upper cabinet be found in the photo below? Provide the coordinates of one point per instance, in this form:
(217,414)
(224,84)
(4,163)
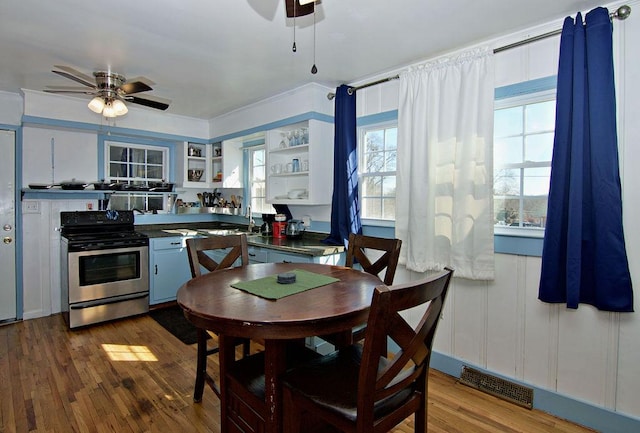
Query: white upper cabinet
(300,164)
(207,166)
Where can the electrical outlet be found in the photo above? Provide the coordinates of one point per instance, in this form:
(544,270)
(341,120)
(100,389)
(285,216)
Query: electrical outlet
(306,220)
(30,206)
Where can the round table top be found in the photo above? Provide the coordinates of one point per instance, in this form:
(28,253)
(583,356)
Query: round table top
(211,303)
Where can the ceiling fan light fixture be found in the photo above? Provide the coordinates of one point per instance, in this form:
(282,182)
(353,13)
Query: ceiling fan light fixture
(96,105)
(109,111)
(119,107)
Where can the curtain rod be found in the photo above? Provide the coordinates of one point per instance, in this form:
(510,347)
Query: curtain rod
(350,91)
(622,13)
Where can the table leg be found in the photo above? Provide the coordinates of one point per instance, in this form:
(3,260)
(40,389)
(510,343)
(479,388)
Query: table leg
(226,358)
(201,368)
(275,366)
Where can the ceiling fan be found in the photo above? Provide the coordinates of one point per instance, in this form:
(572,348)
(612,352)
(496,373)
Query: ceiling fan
(110,91)
(299,8)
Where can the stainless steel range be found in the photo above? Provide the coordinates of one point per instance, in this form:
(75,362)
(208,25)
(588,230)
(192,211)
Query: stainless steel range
(105,267)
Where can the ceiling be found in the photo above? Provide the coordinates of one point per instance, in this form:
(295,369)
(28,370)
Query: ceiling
(211,57)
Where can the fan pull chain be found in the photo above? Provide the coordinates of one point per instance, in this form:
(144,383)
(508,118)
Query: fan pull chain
(294,49)
(314,69)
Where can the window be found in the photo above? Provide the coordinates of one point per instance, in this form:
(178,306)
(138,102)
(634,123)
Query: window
(136,165)
(257,181)
(523,146)
(377,150)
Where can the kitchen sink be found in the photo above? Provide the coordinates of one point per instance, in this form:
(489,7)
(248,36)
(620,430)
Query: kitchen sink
(209,232)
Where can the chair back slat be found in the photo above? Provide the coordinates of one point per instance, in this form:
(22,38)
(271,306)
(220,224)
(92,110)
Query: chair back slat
(198,259)
(357,253)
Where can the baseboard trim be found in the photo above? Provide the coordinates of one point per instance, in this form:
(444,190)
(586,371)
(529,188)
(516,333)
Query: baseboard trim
(562,406)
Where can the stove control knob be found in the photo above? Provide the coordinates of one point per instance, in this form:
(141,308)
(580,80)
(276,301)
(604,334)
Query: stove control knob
(7,240)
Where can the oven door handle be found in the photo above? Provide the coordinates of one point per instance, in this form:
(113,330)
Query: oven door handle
(115,299)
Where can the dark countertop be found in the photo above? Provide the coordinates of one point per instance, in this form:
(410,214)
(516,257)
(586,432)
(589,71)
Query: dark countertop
(310,243)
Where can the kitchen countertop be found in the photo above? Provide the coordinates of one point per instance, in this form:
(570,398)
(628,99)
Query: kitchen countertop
(310,243)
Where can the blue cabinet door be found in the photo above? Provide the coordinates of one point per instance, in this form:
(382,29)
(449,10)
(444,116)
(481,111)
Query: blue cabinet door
(169,270)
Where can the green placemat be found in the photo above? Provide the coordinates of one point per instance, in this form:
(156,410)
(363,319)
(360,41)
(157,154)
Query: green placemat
(269,288)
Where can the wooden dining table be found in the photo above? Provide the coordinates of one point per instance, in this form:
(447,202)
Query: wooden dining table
(211,303)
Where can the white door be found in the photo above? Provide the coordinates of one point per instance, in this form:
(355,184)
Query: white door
(7,226)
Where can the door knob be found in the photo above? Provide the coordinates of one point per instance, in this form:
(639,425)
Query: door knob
(7,240)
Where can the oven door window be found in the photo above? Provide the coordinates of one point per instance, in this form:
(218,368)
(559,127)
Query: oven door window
(109,268)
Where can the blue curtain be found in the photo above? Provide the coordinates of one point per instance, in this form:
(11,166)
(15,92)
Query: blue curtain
(584,257)
(345,208)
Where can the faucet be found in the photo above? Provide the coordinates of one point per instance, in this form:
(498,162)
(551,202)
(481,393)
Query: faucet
(252,222)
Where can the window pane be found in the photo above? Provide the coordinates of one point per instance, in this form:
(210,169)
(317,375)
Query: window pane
(371,207)
(506,211)
(154,157)
(154,172)
(372,186)
(389,186)
(391,139)
(508,121)
(540,117)
(374,162)
(391,161)
(117,153)
(506,182)
(507,151)
(536,181)
(539,147)
(258,157)
(374,141)
(138,155)
(389,208)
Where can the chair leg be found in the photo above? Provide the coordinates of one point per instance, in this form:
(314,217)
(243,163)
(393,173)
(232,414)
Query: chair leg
(291,422)
(246,348)
(201,367)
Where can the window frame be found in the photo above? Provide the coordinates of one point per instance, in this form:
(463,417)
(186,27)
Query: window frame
(362,131)
(133,196)
(516,100)
(249,152)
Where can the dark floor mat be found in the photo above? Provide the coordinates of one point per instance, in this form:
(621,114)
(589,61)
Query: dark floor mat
(172,319)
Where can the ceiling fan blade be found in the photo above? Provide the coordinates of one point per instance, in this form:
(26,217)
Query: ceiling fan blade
(150,101)
(70,90)
(75,75)
(298,10)
(135,87)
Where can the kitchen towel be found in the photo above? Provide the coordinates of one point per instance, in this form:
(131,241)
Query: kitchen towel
(269,288)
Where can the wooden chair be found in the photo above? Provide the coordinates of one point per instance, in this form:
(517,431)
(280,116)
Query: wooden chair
(357,252)
(360,251)
(198,258)
(359,389)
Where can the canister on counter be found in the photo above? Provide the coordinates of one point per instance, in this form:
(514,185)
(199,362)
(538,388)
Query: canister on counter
(279,226)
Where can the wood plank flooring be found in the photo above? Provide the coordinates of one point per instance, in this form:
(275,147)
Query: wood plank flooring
(133,376)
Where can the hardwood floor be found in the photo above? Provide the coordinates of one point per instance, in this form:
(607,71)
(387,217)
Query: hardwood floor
(133,376)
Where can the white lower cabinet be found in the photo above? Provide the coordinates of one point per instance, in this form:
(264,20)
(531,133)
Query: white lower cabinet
(169,268)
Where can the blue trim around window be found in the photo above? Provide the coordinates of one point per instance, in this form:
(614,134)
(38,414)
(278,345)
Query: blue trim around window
(526,87)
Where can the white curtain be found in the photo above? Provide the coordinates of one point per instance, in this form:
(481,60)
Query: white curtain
(444,196)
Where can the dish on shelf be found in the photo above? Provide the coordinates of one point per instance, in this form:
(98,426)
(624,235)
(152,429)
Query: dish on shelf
(297,193)
(73,185)
(39,186)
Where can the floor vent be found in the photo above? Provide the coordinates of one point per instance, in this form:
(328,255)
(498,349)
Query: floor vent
(509,391)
